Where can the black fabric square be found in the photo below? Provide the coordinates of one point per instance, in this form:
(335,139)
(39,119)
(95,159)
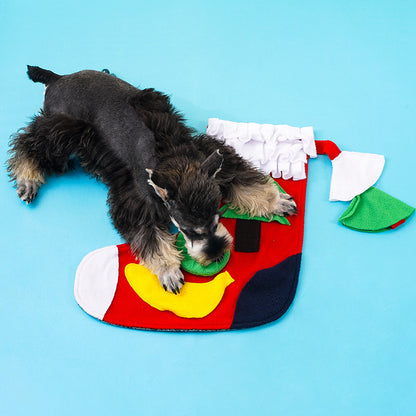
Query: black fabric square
(247,236)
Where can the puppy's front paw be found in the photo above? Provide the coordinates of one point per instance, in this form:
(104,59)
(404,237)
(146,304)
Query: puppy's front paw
(27,190)
(172,280)
(285,206)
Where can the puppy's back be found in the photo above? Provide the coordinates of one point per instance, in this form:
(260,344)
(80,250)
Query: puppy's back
(84,94)
(103,101)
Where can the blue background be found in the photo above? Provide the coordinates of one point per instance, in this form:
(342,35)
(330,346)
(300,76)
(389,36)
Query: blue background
(347,345)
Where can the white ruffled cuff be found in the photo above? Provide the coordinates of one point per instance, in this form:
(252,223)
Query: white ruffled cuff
(281,150)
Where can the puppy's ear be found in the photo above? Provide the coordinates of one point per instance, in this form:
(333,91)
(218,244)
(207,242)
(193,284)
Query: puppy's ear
(212,164)
(161,192)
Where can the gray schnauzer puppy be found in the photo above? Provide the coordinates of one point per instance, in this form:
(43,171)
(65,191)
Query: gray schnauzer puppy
(157,169)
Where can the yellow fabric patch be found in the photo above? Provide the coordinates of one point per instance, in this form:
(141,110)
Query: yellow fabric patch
(195,300)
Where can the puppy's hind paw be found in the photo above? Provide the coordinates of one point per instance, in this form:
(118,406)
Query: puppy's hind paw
(27,190)
(172,280)
(285,206)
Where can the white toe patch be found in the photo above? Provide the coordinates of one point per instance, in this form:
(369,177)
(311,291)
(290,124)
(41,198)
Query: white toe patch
(96,281)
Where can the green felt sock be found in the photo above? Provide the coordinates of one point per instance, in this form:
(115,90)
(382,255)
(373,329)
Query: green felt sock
(190,265)
(375,211)
(232,213)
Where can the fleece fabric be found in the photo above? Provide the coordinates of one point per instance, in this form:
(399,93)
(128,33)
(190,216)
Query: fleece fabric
(113,287)
(281,150)
(258,284)
(192,266)
(375,211)
(352,172)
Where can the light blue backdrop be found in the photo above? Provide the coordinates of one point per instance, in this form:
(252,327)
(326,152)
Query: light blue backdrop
(347,345)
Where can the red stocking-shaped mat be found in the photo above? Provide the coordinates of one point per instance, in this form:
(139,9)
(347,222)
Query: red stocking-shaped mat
(253,288)
(259,282)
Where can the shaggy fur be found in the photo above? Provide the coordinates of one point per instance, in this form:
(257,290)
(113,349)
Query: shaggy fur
(156,168)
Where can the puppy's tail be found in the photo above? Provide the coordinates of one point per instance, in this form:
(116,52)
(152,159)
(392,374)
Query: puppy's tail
(44,76)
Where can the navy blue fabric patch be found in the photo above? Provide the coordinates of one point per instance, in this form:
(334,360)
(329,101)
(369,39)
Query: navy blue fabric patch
(268,294)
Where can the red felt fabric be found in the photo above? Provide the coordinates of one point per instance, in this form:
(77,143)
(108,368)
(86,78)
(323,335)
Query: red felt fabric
(278,242)
(326,147)
(398,223)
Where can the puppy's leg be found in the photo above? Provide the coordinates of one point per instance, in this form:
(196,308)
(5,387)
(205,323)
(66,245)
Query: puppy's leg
(23,165)
(161,257)
(261,199)
(42,148)
(144,224)
(28,178)
(247,189)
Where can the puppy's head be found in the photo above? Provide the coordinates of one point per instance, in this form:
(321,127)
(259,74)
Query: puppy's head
(192,196)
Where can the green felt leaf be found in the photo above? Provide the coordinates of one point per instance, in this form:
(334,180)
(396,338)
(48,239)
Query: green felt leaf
(375,211)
